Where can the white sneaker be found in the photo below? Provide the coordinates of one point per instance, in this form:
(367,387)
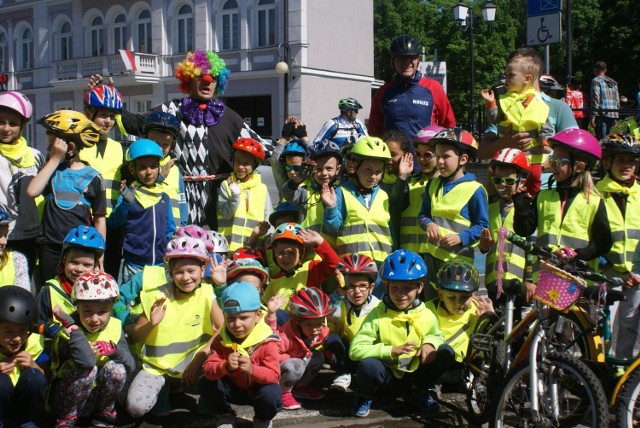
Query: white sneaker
(341,383)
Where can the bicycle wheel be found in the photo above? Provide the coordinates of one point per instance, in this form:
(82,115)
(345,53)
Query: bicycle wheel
(484,368)
(628,406)
(569,394)
(567,334)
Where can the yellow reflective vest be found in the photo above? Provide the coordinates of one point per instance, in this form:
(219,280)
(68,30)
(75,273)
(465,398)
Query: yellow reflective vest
(349,323)
(625,231)
(34,346)
(184,330)
(445,212)
(8,272)
(365,231)
(59,297)
(286,285)
(412,237)
(457,328)
(171,186)
(315,212)
(513,258)
(108,165)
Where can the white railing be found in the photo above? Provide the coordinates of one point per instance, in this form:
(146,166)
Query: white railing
(147,65)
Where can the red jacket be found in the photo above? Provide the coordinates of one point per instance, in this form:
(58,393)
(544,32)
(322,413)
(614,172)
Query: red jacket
(264,357)
(291,343)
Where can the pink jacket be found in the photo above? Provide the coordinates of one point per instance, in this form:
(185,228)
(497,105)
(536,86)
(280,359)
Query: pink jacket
(291,343)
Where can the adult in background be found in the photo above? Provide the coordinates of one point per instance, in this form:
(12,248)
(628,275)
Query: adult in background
(208,128)
(345,128)
(604,96)
(408,102)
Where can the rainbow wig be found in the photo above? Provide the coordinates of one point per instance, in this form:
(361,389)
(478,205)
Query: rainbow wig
(200,63)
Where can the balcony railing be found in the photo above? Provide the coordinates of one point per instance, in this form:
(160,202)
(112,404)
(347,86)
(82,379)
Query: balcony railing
(147,65)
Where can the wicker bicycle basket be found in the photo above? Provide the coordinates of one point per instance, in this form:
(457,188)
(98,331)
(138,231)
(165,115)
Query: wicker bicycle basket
(558,288)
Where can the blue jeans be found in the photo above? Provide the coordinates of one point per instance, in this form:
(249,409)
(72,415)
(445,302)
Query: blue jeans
(339,347)
(23,399)
(266,400)
(603,126)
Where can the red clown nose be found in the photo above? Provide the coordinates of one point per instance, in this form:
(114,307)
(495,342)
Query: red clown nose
(207,78)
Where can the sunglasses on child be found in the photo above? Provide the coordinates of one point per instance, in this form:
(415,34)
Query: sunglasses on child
(557,162)
(294,168)
(426,154)
(509,181)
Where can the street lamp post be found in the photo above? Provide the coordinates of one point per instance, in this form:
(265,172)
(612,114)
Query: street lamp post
(463,15)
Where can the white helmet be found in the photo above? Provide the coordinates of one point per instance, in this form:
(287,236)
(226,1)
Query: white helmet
(95,286)
(220,244)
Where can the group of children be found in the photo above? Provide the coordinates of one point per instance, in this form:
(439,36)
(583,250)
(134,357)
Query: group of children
(366,264)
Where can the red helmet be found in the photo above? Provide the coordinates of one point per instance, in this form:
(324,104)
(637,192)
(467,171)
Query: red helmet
(358,264)
(250,146)
(309,303)
(247,253)
(242,266)
(514,158)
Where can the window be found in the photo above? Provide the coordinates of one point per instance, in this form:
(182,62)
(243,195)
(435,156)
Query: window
(65,46)
(25,50)
(96,42)
(185,29)
(266,23)
(4,50)
(230,24)
(120,32)
(143,32)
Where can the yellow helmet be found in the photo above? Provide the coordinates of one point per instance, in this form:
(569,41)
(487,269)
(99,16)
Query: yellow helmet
(371,148)
(72,126)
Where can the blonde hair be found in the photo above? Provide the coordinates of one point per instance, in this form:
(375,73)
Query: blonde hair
(527,66)
(584,181)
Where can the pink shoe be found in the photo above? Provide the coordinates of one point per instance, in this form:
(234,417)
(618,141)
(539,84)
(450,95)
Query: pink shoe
(307,392)
(288,402)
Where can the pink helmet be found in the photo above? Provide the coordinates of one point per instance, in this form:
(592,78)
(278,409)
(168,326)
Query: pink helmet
(186,247)
(579,142)
(195,231)
(427,133)
(17,102)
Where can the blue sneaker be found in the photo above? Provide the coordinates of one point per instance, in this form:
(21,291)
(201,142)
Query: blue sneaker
(361,407)
(425,403)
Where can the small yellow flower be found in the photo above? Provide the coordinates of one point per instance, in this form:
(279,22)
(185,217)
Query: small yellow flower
(553,295)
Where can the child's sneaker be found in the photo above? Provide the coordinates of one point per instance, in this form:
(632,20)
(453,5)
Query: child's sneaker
(288,402)
(341,383)
(259,423)
(105,419)
(361,406)
(228,420)
(66,421)
(307,392)
(426,403)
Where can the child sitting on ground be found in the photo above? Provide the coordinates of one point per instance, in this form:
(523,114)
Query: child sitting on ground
(399,341)
(91,359)
(244,360)
(14,267)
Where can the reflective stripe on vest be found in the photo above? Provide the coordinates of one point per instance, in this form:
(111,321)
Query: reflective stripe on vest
(187,320)
(286,285)
(571,231)
(445,212)
(34,347)
(108,165)
(521,119)
(349,323)
(68,187)
(171,186)
(315,213)
(8,272)
(412,237)
(513,258)
(59,297)
(365,231)
(457,328)
(249,213)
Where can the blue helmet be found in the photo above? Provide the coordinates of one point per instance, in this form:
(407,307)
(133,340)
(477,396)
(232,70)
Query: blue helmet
(144,147)
(293,147)
(5,219)
(403,265)
(325,147)
(459,276)
(162,121)
(283,208)
(104,96)
(86,237)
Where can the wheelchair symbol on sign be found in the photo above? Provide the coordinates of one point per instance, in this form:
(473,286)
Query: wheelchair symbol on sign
(543,32)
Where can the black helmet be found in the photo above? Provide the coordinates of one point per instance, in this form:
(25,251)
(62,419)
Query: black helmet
(347,104)
(162,121)
(405,45)
(19,306)
(620,142)
(459,276)
(325,147)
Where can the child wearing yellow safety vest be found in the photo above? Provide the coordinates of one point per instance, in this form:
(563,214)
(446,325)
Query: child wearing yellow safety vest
(81,249)
(357,212)
(406,195)
(164,129)
(244,362)
(400,342)
(90,358)
(174,331)
(353,303)
(572,218)
(454,207)
(458,309)
(14,267)
(143,210)
(243,200)
(22,380)
(621,194)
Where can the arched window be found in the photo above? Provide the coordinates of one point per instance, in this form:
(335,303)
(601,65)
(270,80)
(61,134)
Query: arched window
(96,37)
(230,25)
(65,42)
(142,27)
(25,50)
(184,26)
(266,23)
(120,40)
(4,51)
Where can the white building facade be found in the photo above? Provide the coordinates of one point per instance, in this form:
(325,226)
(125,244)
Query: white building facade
(48,48)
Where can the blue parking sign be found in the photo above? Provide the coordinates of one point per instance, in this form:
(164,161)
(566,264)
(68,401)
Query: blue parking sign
(543,7)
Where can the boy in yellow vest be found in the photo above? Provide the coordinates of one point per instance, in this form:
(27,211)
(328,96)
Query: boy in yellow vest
(91,358)
(14,267)
(458,309)
(243,200)
(244,361)
(399,342)
(355,303)
(22,380)
(454,207)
